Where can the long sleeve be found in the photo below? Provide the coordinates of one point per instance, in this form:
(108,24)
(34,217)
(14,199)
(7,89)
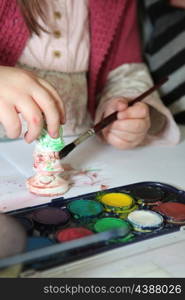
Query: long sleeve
(129,81)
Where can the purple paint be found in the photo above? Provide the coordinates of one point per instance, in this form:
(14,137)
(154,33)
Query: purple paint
(51,216)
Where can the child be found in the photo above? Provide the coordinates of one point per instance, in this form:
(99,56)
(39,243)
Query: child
(52,51)
(165,50)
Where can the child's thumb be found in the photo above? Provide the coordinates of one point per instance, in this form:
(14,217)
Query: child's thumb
(116,104)
(109,107)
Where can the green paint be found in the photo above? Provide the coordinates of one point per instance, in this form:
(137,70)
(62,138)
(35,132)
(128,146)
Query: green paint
(50,143)
(99,195)
(127,238)
(105,224)
(85,208)
(49,167)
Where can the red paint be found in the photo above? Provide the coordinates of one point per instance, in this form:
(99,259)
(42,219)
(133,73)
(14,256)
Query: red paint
(70,234)
(173,210)
(104,187)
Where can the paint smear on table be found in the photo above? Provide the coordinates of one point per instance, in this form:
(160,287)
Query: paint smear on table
(14,194)
(78,178)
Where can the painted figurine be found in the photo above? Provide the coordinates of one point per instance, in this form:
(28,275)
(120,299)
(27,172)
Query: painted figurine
(48,180)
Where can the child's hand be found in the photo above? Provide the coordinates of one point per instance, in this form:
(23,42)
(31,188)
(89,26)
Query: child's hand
(131,127)
(22,92)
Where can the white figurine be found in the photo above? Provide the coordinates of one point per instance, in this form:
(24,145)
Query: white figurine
(48,180)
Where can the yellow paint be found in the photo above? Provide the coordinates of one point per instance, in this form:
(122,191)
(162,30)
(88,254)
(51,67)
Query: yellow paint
(142,230)
(117,200)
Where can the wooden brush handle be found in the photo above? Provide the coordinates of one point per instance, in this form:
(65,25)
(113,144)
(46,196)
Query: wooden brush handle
(106,121)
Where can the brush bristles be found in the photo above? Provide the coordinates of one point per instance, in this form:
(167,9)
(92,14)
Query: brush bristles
(66,150)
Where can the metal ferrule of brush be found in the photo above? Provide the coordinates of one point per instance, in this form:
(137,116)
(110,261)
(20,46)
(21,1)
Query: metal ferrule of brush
(84,136)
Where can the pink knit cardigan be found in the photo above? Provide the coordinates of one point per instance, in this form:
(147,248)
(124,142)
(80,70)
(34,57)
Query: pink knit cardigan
(113,31)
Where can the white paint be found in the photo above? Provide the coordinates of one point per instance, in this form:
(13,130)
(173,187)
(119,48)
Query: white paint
(145,218)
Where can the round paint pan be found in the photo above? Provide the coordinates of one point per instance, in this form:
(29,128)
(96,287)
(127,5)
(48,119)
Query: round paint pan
(51,216)
(85,210)
(26,223)
(145,220)
(105,224)
(116,202)
(148,194)
(34,243)
(73,233)
(173,211)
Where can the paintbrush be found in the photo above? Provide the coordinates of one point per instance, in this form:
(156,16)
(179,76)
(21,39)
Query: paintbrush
(30,256)
(106,121)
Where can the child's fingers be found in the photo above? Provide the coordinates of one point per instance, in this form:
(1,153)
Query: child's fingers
(33,116)
(57,98)
(131,125)
(49,108)
(119,143)
(128,137)
(138,110)
(10,120)
(122,105)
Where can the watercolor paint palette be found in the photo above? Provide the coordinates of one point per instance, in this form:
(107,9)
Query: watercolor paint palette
(67,230)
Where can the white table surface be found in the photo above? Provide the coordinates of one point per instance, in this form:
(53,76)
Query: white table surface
(160,257)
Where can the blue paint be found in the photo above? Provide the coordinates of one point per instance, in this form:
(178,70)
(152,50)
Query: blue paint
(34,243)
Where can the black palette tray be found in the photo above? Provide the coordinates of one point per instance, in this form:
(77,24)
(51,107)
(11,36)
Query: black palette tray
(146,193)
